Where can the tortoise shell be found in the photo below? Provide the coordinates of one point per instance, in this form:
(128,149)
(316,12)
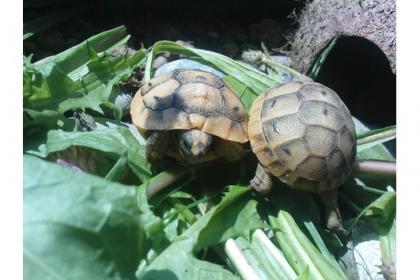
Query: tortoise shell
(190,99)
(303,134)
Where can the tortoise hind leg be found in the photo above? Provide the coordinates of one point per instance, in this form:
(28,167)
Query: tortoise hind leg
(262,180)
(332,213)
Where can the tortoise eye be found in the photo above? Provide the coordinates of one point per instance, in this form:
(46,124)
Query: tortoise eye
(184,144)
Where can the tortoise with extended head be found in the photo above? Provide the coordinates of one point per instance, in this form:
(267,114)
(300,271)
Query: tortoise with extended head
(303,134)
(190,115)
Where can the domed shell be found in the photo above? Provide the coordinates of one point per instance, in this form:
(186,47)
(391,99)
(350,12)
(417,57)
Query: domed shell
(190,99)
(303,134)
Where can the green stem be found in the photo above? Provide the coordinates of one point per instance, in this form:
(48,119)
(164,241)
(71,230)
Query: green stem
(164,179)
(372,190)
(375,168)
(185,212)
(353,206)
(239,261)
(377,137)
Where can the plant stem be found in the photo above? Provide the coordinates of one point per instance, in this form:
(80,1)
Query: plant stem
(275,253)
(371,190)
(235,255)
(353,206)
(375,168)
(164,179)
(376,137)
(185,212)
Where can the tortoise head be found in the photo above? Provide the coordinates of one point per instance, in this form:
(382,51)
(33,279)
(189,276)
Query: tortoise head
(194,144)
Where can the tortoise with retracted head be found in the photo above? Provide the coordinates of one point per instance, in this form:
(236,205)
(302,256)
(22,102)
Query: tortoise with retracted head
(303,134)
(190,115)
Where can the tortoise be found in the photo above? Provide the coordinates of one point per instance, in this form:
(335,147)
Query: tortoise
(303,134)
(190,115)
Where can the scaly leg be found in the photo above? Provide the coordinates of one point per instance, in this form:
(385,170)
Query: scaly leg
(262,180)
(332,213)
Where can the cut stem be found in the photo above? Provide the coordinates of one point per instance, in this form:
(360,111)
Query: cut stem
(375,168)
(164,179)
(239,261)
(275,253)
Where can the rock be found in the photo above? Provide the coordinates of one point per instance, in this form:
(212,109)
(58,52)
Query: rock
(159,61)
(322,20)
(123,101)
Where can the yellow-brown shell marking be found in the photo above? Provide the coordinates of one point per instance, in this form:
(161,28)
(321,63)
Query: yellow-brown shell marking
(190,99)
(303,134)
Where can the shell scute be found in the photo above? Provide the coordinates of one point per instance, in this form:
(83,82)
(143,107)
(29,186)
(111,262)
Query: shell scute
(313,139)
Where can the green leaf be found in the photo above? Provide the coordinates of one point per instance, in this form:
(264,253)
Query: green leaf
(214,227)
(78,226)
(118,171)
(114,141)
(80,77)
(374,152)
(299,251)
(304,275)
(368,139)
(243,91)
(313,73)
(46,119)
(153,225)
(380,213)
(388,244)
(235,216)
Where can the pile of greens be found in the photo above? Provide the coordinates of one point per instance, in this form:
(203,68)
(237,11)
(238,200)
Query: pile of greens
(108,215)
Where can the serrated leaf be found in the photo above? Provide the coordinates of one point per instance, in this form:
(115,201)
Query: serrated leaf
(153,225)
(206,231)
(114,141)
(82,77)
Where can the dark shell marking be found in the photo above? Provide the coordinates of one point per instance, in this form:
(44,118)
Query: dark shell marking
(187,99)
(304,135)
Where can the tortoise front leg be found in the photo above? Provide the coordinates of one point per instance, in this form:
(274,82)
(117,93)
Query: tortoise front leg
(262,180)
(156,146)
(230,151)
(332,213)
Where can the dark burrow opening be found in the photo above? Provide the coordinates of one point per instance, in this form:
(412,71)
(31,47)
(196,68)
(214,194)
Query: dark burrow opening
(359,72)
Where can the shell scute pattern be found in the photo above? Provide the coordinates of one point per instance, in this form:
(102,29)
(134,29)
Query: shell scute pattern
(190,99)
(313,139)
